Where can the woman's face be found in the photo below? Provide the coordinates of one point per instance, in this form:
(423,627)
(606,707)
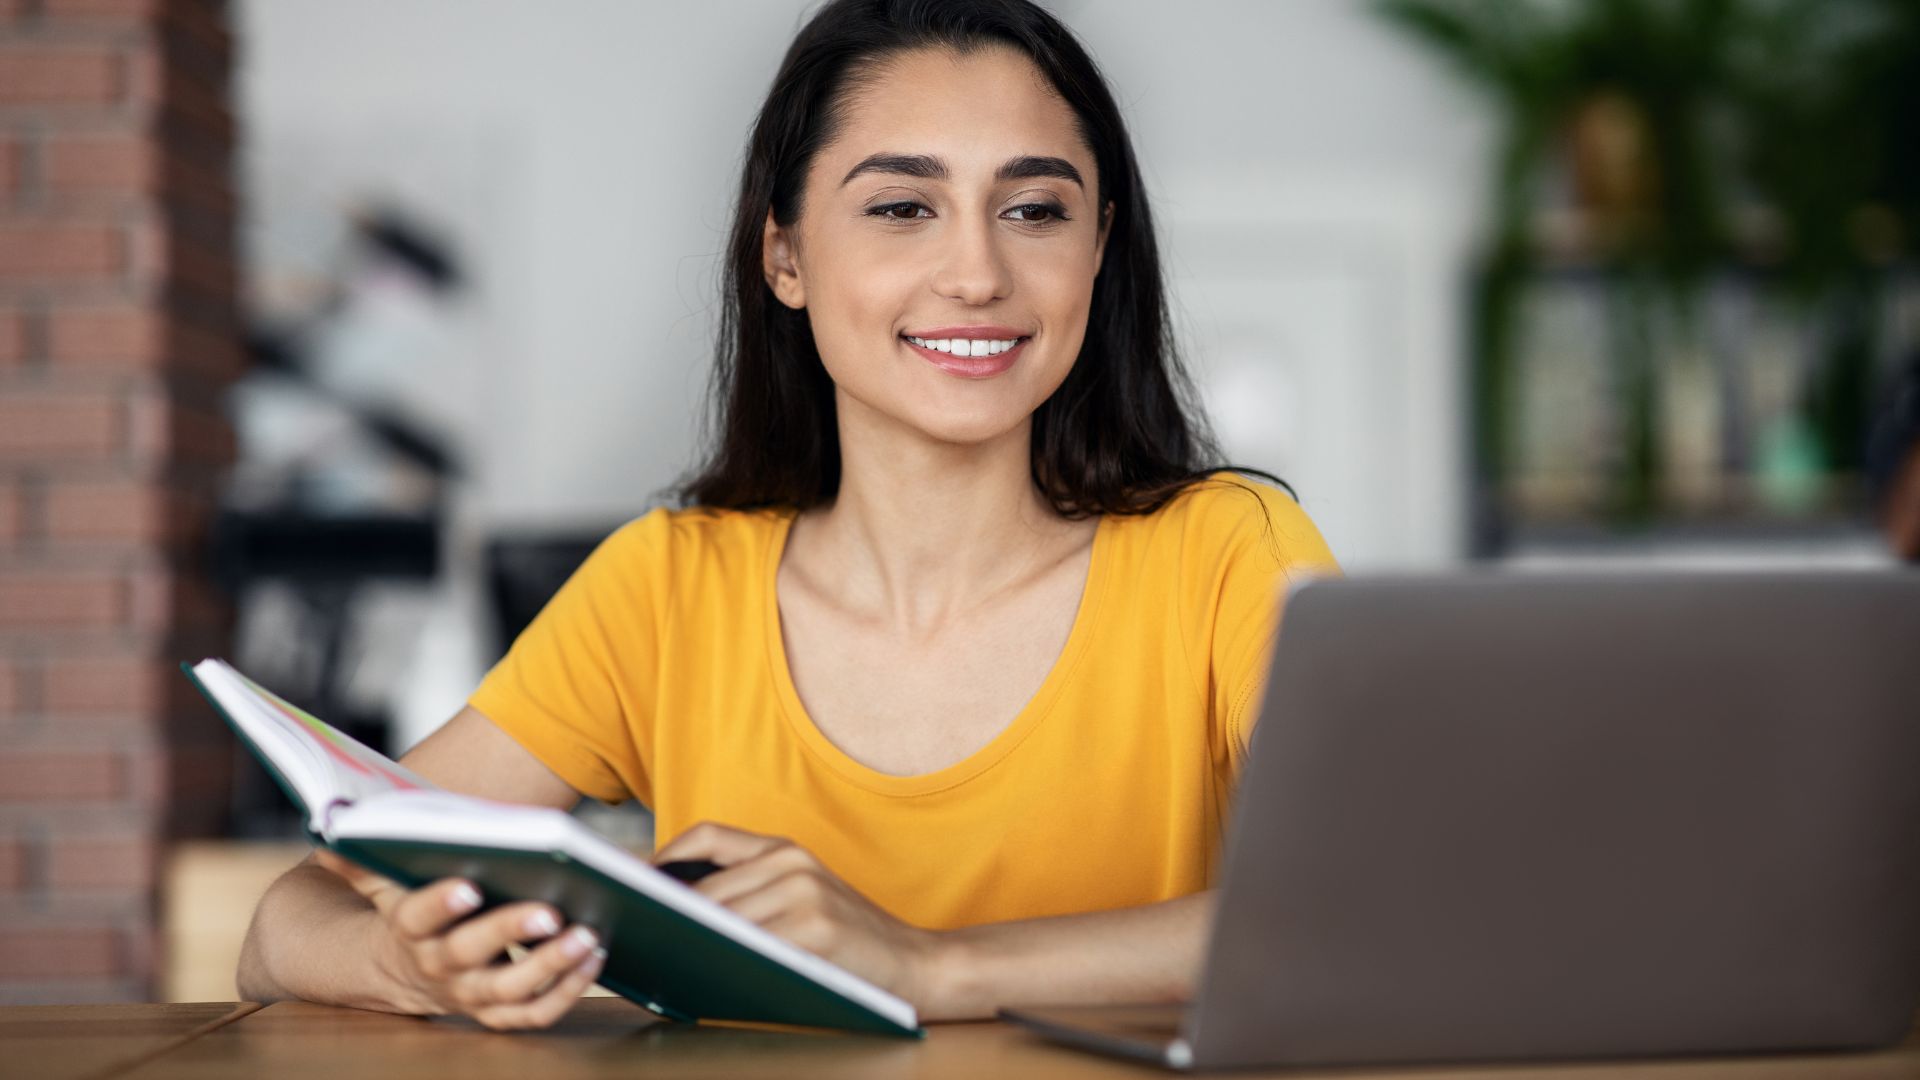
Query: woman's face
(947,244)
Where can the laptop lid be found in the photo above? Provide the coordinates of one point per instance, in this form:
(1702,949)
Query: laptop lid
(1522,817)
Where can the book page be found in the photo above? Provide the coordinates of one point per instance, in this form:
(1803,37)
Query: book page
(323,765)
(436,814)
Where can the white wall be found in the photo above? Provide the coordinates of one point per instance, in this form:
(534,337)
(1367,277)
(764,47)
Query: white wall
(1315,179)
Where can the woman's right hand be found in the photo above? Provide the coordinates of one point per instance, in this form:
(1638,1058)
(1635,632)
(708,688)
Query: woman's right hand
(446,962)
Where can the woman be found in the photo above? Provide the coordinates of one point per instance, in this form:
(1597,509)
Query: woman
(951,661)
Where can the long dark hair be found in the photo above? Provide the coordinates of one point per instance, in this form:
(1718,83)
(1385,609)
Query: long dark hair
(1121,435)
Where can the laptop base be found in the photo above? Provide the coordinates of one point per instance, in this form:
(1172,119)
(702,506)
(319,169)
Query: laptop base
(1152,1033)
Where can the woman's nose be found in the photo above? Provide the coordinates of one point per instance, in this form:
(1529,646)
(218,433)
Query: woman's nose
(972,269)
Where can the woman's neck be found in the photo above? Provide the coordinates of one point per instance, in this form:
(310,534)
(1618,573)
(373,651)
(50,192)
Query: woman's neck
(922,532)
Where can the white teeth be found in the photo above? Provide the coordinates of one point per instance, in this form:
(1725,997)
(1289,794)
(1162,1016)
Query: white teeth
(966,346)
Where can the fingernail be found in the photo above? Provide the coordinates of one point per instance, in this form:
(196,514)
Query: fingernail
(579,941)
(592,964)
(463,898)
(542,923)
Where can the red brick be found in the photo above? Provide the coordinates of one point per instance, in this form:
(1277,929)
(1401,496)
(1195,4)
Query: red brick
(106,684)
(135,338)
(13,337)
(186,773)
(59,75)
(126,162)
(9,689)
(118,862)
(46,775)
(123,337)
(43,599)
(13,864)
(140,947)
(105,171)
(170,602)
(161,429)
(119,510)
(9,166)
(61,252)
(59,428)
(39,952)
(190,96)
(165,253)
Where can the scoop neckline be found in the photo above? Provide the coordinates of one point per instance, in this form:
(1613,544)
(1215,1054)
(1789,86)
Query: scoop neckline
(996,750)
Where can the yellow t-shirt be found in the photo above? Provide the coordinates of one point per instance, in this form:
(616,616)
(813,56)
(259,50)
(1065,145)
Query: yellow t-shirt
(658,672)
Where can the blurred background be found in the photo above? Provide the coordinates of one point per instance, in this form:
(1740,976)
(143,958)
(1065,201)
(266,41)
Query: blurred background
(334,333)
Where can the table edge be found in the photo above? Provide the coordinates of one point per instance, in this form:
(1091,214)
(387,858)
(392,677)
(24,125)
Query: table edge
(239,1010)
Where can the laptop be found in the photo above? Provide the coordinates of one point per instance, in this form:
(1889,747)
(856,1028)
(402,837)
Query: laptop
(1509,817)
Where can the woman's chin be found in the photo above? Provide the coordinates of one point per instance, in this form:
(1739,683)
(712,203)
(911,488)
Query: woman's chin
(967,419)
(969,426)
(969,434)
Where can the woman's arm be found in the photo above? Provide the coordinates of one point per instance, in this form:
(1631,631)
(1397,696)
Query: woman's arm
(1142,954)
(344,937)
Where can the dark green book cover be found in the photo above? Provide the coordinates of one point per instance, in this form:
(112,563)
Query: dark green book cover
(674,952)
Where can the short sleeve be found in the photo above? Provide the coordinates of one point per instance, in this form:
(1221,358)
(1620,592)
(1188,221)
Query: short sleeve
(1260,542)
(576,687)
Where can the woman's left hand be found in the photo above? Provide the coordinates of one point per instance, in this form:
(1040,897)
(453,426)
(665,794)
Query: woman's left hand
(780,886)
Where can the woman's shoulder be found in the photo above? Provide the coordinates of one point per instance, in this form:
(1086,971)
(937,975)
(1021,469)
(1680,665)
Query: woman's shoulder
(1228,513)
(680,542)
(697,526)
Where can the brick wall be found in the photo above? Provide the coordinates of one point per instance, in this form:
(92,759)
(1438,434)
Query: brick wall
(117,337)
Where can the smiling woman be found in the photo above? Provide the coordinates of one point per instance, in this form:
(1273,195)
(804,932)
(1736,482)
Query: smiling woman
(895,245)
(973,150)
(949,658)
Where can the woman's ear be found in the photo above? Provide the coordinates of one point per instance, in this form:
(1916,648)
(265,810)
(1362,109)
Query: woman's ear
(1100,239)
(777,262)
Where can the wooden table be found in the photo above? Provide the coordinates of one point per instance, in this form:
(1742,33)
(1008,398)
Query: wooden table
(612,1038)
(62,1041)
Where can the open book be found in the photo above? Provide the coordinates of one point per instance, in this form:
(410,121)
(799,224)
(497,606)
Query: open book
(668,947)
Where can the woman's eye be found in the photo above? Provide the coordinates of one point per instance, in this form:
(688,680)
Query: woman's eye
(899,211)
(1038,213)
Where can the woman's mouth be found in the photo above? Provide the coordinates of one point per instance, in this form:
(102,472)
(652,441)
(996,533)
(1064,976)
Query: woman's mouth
(969,357)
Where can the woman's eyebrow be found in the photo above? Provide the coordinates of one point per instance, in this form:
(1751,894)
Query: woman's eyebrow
(924,166)
(928,167)
(1029,168)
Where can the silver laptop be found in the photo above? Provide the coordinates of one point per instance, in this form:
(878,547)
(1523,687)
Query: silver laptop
(1522,817)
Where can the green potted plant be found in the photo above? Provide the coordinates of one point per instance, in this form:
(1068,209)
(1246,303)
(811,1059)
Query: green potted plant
(1667,121)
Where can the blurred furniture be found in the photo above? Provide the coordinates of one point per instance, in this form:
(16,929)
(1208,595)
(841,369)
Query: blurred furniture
(326,563)
(325,560)
(1723,428)
(523,573)
(615,1038)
